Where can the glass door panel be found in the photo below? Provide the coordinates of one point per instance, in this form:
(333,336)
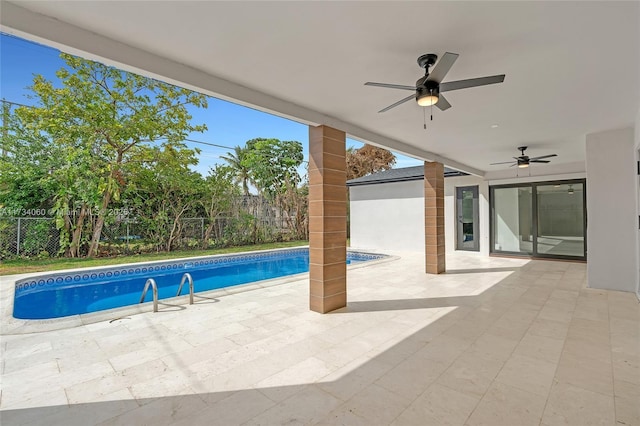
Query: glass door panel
(512,220)
(467,214)
(560,214)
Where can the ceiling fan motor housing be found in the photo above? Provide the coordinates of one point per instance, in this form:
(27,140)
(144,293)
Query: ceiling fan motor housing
(429,88)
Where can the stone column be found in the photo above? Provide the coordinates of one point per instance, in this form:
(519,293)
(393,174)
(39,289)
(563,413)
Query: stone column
(434,217)
(327,219)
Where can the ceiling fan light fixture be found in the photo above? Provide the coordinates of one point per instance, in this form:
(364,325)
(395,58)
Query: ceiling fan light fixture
(523,165)
(427,99)
(427,96)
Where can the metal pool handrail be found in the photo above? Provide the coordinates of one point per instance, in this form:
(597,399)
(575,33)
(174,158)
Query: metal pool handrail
(154,287)
(186,276)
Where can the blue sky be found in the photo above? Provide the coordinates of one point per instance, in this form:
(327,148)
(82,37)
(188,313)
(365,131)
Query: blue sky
(228,124)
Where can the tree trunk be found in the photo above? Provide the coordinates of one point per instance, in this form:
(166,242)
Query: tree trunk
(208,232)
(74,249)
(172,234)
(106,199)
(97,231)
(67,232)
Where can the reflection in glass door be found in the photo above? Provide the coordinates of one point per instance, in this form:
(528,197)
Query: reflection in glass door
(467,214)
(512,220)
(560,219)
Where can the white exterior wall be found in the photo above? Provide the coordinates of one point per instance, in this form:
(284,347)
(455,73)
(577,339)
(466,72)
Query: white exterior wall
(637,193)
(612,223)
(388,216)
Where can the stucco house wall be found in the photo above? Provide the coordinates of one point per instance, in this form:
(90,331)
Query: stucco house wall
(388,216)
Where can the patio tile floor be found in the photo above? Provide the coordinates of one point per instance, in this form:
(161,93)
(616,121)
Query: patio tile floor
(494,341)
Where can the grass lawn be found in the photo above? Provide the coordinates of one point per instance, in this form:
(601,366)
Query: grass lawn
(21,266)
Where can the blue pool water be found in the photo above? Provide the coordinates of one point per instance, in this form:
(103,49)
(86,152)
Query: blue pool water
(60,295)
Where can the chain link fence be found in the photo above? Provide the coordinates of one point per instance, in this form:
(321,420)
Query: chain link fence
(38,237)
(28,237)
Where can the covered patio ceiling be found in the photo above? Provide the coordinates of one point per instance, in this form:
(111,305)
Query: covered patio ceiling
(571,68)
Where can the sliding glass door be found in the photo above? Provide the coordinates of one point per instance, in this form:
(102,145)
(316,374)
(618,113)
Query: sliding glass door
(513,225)
(544,219)
(561,219)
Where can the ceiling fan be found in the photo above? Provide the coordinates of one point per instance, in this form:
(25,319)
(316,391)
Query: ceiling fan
(524,160)
(428,89)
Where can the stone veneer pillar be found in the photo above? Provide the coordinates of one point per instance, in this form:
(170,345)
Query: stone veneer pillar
(434,217)
(327,219)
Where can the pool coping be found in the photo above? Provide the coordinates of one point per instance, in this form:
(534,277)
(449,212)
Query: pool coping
(10,325)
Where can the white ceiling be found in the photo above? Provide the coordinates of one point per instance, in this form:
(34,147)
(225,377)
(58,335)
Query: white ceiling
(571,68)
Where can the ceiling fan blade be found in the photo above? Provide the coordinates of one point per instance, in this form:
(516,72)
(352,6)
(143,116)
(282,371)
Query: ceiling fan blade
(442,67)
(390,86)
(443,103)
(543,156)
(401,101)
(472,82)
(539,161)
(504,162)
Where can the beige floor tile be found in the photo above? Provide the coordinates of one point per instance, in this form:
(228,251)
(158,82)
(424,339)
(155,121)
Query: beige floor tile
(377,404)
(343,416)
(110,382)
(586,373)
(173,382)
(507,405)
(345,382)
(627,411)
(32,416)
(599,351)
(84,414)
(571,405)
(308,371)
(235,409)
(549,328)
(626,367)
(38,371)
(544,348)
(46,397)
(471,373)
(414,375)
(27,350)
(556,312)
(526,373)
(626,390)
(162,411)
(440,406)
(308,406)
(443,348)
(494,346)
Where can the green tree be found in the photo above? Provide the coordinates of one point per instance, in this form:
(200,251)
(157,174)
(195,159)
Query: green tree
(237,162)
(163,191)
(273,164)
(219,194)
(109,116)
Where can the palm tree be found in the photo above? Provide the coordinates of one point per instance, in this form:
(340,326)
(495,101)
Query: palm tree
(242,173)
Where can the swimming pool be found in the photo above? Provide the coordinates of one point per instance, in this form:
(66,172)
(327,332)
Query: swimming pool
(63,294)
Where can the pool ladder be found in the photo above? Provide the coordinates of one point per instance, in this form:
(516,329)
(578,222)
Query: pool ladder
(151,282)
